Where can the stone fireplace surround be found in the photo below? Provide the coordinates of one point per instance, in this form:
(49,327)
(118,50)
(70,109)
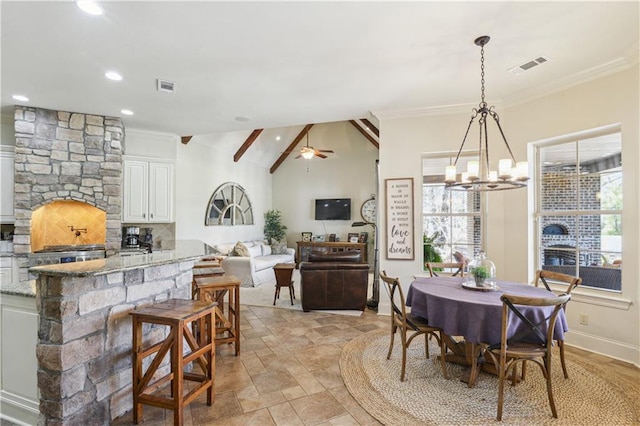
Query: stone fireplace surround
(67,156)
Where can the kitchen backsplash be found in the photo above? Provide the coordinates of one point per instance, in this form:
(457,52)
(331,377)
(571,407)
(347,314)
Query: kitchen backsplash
(67,223)
(162,232)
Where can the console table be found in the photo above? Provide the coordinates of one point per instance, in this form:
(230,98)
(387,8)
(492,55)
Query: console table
(306,247)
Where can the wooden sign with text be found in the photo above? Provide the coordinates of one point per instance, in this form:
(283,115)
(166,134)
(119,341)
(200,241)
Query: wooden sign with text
(399,202)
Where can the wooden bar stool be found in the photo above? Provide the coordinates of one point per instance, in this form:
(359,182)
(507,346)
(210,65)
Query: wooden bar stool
(213,289)
(203,269)
(177,314)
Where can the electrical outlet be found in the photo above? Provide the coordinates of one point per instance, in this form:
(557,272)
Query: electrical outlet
(584,319)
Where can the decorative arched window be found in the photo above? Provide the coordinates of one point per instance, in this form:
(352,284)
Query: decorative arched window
(229,205)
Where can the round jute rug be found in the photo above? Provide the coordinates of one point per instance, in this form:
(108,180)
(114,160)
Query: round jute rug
(588,397)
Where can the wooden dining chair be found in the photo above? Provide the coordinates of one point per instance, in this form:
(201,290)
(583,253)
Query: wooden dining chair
(407,323)
(533,344)
(541,277)
(444,269)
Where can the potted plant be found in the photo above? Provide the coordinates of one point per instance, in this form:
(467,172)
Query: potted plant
(274,230)
(430,252)
(480,274)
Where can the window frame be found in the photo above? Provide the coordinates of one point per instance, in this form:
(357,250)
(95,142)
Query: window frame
(538,214)
(481,213)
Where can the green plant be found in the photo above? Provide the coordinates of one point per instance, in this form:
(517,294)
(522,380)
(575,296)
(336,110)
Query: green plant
(480,272)
(273,227)
(430,244)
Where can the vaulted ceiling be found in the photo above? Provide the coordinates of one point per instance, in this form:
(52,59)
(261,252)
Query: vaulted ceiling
(257,65)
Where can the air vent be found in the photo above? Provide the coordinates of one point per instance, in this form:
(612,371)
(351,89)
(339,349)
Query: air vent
(166,86)
(528,65)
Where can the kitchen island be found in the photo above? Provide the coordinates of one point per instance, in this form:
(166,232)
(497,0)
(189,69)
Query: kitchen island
(84,328)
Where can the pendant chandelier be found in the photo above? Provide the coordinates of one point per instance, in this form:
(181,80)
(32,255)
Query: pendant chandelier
(511,174)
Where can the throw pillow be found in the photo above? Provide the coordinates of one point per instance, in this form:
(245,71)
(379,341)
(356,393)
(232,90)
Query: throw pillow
(241,250)
(278,247)
(255,251)
(266,250)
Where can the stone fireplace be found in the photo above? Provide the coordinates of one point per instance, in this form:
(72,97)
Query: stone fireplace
(67,156)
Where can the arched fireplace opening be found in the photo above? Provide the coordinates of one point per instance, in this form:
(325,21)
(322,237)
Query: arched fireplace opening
(67,223)
(555,229)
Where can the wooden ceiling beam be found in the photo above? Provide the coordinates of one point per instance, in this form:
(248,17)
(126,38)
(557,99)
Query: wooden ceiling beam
(365,134)
(371,127)
(245,146)
(290,148)
(185,139)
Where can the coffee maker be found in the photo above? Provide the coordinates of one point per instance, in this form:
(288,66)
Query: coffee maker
(131,237)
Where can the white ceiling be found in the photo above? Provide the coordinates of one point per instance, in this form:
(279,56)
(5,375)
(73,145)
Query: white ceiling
(291,63)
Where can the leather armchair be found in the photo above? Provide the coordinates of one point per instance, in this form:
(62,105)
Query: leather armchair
(334,281)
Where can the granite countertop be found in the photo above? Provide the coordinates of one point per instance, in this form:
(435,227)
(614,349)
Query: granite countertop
(184,250)
(23,288)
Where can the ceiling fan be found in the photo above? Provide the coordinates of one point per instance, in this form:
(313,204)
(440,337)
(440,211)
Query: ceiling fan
(307,152)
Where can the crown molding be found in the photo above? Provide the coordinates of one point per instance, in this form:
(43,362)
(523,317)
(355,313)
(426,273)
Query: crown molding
(429,111)
(630,58)
(582,77)
(150,132)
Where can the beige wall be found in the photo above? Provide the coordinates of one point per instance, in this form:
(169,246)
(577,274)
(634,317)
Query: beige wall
(608,100)
(349,173)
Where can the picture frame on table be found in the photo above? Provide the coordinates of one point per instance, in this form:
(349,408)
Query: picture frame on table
(352,237)
(364,237)
(306,237)
(318,238)
(332,238)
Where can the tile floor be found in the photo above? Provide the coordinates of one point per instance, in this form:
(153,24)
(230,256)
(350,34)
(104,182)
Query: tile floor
(288,373)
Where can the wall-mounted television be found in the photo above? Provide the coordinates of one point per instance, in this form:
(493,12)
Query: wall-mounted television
(333,209)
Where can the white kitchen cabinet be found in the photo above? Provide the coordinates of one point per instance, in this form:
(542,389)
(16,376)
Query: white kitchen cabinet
(6,183)
(18,363)
(148,191)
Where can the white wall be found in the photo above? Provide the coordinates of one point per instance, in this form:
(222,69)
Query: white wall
(608,100)
(349,173)
(205,163)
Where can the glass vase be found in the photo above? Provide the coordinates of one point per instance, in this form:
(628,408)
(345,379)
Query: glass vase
(482,271)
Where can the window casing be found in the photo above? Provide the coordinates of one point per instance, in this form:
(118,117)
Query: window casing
(454,218)
(578,210)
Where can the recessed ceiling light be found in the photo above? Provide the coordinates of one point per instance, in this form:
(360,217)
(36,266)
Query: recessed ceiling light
(90,7)
(126,112)
(21,98)
(277,138)
(242,118)
(112,75)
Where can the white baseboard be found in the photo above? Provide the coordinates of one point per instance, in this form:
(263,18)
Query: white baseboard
(611,348)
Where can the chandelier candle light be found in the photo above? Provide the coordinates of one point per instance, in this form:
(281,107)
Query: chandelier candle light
(511,174)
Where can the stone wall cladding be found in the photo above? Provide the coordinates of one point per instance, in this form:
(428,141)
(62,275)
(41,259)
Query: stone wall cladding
(560,193)
(67,156)
(84,349)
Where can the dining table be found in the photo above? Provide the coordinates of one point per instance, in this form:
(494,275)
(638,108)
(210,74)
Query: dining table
(460,308)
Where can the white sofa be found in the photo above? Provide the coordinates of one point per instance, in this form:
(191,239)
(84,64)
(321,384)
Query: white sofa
(257,269)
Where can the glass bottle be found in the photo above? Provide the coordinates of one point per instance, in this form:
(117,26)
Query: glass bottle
(482,271)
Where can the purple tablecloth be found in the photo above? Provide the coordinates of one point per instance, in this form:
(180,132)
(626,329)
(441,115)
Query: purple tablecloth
(476,315)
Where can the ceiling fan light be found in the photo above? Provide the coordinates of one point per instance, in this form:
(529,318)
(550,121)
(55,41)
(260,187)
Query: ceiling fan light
(307,154)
